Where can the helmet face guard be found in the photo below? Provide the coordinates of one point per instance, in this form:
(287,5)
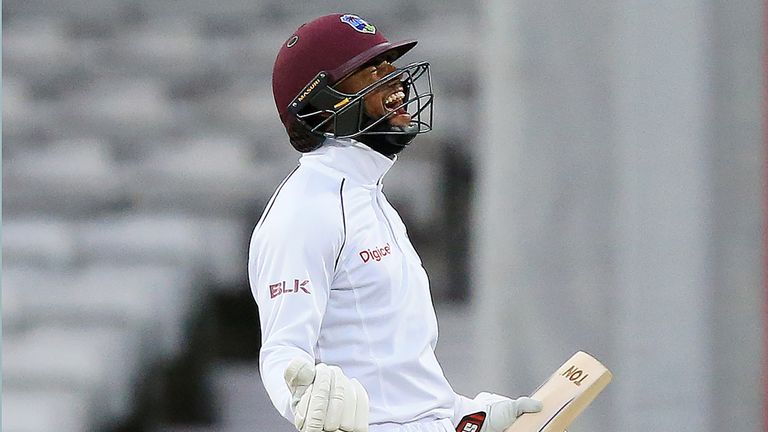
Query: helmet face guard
(325,112)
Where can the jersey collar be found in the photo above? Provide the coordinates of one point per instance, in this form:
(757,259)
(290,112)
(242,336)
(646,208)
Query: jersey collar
(352,159)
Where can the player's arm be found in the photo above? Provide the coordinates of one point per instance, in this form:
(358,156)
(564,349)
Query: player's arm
(291,268)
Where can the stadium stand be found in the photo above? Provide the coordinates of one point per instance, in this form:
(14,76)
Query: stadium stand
(141,144)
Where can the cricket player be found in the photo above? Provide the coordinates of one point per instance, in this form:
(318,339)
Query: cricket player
(348,326)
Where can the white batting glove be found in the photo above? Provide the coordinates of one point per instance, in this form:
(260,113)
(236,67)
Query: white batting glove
(501,412)
(324,399)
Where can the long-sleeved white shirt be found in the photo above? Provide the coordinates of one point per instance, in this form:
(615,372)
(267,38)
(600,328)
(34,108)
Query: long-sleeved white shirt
(337,281)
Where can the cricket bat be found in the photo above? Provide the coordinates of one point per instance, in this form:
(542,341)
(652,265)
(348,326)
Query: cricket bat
(565,395)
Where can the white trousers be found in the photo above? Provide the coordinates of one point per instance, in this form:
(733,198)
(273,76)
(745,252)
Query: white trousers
(430,425)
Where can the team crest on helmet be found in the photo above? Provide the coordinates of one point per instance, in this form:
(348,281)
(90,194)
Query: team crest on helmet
(358,23)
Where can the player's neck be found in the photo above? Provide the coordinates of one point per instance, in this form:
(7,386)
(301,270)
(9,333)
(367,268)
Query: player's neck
(379,144)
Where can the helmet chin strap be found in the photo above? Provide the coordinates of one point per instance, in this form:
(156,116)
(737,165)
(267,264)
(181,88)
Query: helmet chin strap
(389,144)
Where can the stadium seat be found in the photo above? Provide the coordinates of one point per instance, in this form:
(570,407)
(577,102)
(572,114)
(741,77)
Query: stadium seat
(137,238)
(210,176)
(45,9)
(17,114)
(37,47)
(152,302)
(66,177)
(33,410)
(97,364)
(247,109)
(127,109)
(40,242)
(164,49)
(202,8)
(210,248)
(12,314)
(163,298)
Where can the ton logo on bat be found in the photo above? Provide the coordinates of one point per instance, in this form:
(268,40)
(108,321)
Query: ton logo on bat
(575,375)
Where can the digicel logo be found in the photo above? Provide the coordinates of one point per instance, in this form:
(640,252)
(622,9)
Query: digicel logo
(375,254)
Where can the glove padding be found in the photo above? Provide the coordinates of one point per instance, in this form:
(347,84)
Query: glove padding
(324,399)
(501,412)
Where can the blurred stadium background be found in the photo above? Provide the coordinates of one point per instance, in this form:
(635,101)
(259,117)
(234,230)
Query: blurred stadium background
(594,182)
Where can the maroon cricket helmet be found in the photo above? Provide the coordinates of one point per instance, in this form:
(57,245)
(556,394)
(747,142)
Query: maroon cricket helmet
(336,44)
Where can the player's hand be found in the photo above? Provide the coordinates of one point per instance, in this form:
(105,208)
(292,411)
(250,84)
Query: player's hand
(324,399)
(502,412)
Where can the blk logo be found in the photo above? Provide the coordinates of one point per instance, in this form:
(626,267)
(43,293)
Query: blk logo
(281,287)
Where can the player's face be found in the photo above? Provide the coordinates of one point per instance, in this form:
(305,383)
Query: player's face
(384,99)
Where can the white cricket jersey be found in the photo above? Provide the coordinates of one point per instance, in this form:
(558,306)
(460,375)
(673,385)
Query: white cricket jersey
(337,281)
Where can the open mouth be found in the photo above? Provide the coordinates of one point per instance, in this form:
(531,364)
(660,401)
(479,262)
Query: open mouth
(398,116)
(394,100)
